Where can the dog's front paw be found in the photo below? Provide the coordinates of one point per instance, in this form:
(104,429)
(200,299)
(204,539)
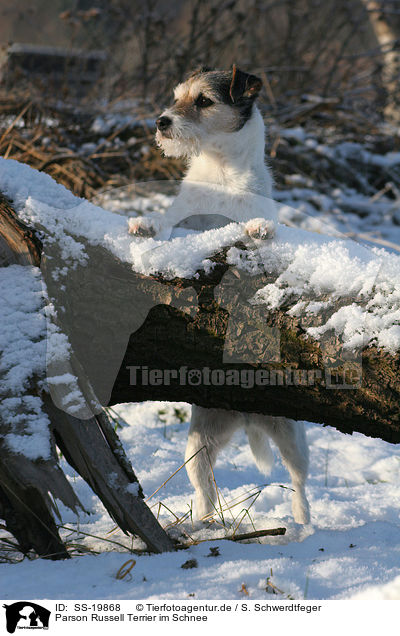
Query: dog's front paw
(140,226)
(260,229)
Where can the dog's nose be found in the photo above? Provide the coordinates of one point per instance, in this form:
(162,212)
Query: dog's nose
(163,122)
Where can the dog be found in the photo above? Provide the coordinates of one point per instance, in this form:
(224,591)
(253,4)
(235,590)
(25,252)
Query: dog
(215,124)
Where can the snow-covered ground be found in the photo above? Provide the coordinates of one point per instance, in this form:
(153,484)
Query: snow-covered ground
(351,549)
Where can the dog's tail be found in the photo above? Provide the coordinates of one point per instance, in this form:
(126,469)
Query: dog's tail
(260,448)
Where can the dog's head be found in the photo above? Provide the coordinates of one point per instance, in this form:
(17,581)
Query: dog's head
(208,106)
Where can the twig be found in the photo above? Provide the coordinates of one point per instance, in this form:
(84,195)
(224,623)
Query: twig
(11,126)
(174,473)
(87,534)
(270,532)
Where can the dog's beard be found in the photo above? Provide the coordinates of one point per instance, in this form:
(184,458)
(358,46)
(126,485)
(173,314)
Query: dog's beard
(178,146)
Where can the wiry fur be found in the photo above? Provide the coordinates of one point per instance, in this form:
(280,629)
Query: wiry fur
(226,178)
(224,143)
(224,148)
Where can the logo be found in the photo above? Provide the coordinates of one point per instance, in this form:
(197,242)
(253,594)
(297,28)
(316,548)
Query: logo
(26,615)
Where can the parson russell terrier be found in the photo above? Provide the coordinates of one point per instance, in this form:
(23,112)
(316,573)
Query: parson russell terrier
(215,124)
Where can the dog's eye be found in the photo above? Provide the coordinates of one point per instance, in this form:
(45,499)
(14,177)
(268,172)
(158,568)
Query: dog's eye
(203,102)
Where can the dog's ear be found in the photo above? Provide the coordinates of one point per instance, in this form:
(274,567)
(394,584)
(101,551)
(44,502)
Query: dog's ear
(243,85)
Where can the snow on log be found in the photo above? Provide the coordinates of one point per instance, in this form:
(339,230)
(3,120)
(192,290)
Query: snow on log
(304,325)
(31,425)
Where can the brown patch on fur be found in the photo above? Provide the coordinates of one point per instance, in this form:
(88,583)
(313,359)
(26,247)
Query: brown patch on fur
(185,105)
(185,108)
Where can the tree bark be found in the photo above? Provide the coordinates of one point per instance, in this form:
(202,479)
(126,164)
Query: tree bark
(385,25)
(360,395)
(150,329)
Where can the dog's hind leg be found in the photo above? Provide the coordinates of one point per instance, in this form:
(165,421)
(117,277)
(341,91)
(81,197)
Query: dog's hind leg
(259,444)
(290,437)
(210,430)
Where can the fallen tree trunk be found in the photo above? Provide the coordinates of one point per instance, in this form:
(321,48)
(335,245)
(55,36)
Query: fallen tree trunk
(91,446)
(138,337)
(158,325)
(362,395)
(154,337)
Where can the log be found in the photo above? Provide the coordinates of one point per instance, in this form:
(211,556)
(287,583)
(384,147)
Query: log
(161,326)
(93,449)
(25,504)
(18,243)
(91,446)
(356,395)
(137,337)
(372,409)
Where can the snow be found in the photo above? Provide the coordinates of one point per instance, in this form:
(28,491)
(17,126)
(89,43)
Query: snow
(306,262)
(23,355)
(297,133)
(342,209)
(388,592)
(31,346)
(23,326)
(111,121)
(29,434)
(342,269)
(350,549)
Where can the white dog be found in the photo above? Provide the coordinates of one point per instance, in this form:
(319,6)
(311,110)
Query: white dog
(216,125)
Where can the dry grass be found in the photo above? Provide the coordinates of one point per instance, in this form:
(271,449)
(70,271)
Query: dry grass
(61,142)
